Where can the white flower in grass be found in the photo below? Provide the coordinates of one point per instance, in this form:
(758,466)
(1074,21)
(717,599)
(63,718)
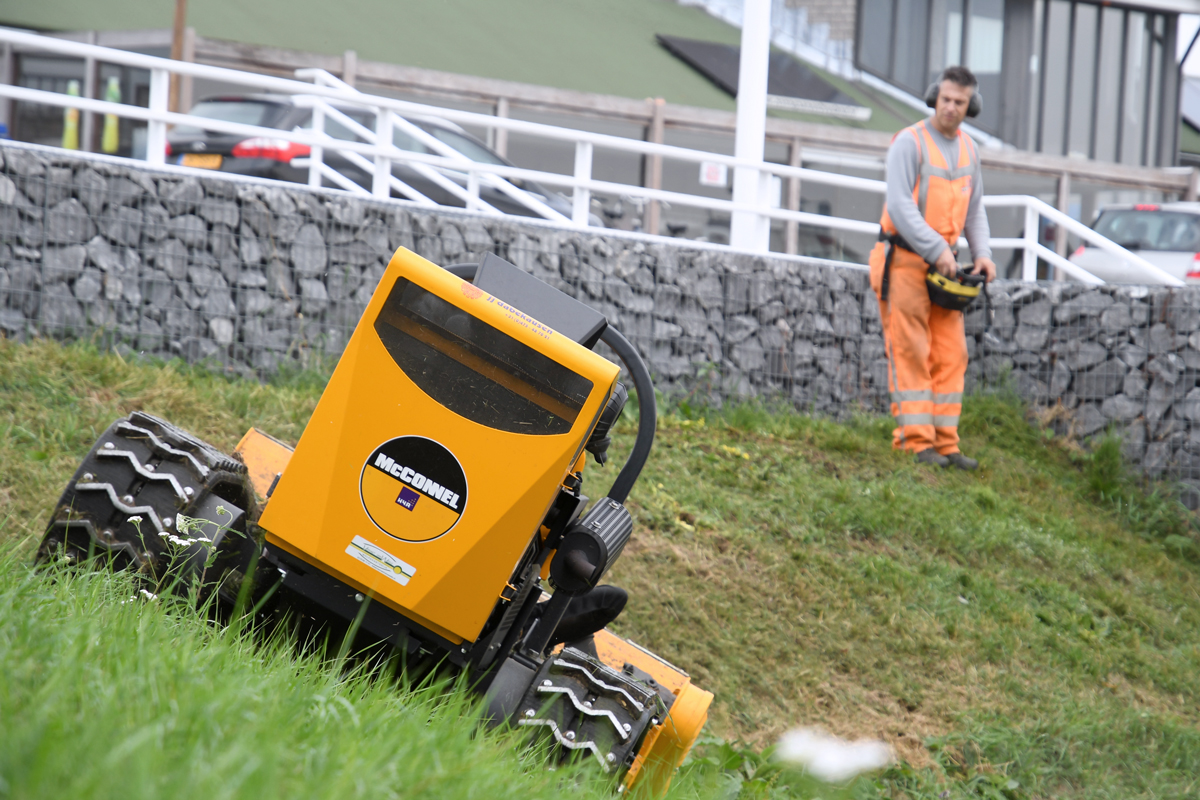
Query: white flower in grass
(830,758)
(148,595)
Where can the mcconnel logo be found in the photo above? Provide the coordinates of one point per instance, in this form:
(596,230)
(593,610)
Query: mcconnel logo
(413,488)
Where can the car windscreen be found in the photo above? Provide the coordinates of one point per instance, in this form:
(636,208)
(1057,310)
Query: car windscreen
(1145,229)
(245,112)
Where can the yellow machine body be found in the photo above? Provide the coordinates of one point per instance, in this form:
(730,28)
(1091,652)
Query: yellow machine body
(415,481)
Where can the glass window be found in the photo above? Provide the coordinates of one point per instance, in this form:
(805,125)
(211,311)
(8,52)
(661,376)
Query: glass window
(985,32)
(1133,100)
(1151,230)
(467,146)
(1054,77)
(954,33)
(475,370)
(875,45)
(339,131)
(912,23)
(245,112)
(1083,79)
(406,141)
(1108,78)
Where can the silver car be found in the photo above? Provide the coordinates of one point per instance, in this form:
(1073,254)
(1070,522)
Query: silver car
(1165,234)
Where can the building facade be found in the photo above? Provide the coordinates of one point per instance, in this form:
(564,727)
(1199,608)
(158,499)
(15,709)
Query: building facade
(1062,77)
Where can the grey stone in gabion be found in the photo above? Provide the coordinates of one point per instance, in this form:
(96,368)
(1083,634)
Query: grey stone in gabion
(1027,386)
(1158,402)
(666,331)
(179,323)
(123,191)
(189,229)
(253,303)
(453,246)
(626,298)
(1183,310)
(157,288)
(150,335)
(313,296)
(359,254)
(1085,306)
(1035,314)
(103,255)
(1121,408)
(60,311)
(13,323)
(1101,381)
(1189,406)
(90,187)
(1089,419)
(748,355)
(375,236)
(8,191)
(1168,367)
(708,291)
(1132,354)
(180,196)
(204,278)
(847,316)
(221,330)
(1029,337)
(58,184)
(255,213)
(63,263)
(24,163)
(251,249)
(1116,318)
(218,302)
(219,212)
(123,225)
(667,301)
(155,222)
(88,286)
(1134,385)
(739,328)
(1083,354)
(68,223)
(1162,339)
(1026,359)
(308,253)
(171,257)
(342,281)
(1139,313)
(348,211)
(1158,454)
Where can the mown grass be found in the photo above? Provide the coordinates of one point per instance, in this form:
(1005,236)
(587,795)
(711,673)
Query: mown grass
(1029,630)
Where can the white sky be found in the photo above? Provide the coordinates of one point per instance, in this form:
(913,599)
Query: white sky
(1188,24)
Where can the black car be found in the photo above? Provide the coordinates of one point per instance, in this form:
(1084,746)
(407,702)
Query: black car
(267,157)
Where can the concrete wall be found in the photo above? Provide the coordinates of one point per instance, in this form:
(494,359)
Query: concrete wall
(252,275)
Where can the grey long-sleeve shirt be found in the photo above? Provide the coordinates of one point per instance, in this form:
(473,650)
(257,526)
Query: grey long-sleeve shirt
(902,160)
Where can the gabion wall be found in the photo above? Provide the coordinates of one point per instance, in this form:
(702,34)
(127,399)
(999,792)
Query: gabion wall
(254,275)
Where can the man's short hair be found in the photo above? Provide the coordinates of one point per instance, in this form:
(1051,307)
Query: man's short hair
(960,75)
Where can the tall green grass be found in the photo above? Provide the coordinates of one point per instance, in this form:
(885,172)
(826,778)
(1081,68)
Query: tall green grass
(1029,630)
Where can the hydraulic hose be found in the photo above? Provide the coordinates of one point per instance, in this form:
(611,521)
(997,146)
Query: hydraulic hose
(642,384)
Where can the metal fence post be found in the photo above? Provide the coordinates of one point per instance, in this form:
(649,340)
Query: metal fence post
(473,189)
(381,185)
(316,152)
(156,129)
(1029,255)
(583,172)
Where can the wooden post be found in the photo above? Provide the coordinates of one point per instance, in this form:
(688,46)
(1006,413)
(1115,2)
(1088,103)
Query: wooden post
(654,164)
(791,227)
(185,81)
(499,136)
(177,51)
(349,66)
(87,127)
(1060,231)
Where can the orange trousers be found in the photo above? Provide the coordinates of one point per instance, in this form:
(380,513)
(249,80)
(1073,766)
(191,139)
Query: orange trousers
(927,356)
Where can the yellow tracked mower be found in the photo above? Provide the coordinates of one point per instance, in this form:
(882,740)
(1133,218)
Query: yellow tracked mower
(436,486)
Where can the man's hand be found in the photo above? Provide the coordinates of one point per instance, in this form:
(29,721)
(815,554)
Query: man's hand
(946,264)
(987,267)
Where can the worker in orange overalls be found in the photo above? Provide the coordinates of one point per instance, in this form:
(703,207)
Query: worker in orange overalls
(934,193)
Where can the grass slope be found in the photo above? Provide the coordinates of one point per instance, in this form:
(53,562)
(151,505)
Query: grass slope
(1026,631)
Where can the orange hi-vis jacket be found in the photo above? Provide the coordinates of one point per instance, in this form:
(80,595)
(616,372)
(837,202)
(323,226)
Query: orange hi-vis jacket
(926,344)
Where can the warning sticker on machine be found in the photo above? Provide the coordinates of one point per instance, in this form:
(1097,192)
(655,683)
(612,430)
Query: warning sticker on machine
(413,488)
(381,560)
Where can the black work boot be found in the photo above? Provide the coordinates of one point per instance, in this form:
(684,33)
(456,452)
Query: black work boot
(931,456)
(961,461)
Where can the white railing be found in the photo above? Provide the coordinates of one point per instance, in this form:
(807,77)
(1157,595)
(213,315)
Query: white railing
(376,153)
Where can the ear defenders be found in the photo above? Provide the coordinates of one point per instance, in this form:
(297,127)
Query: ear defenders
(973,107)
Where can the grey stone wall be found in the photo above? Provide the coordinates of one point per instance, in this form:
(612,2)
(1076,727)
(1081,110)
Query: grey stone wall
(252,275)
